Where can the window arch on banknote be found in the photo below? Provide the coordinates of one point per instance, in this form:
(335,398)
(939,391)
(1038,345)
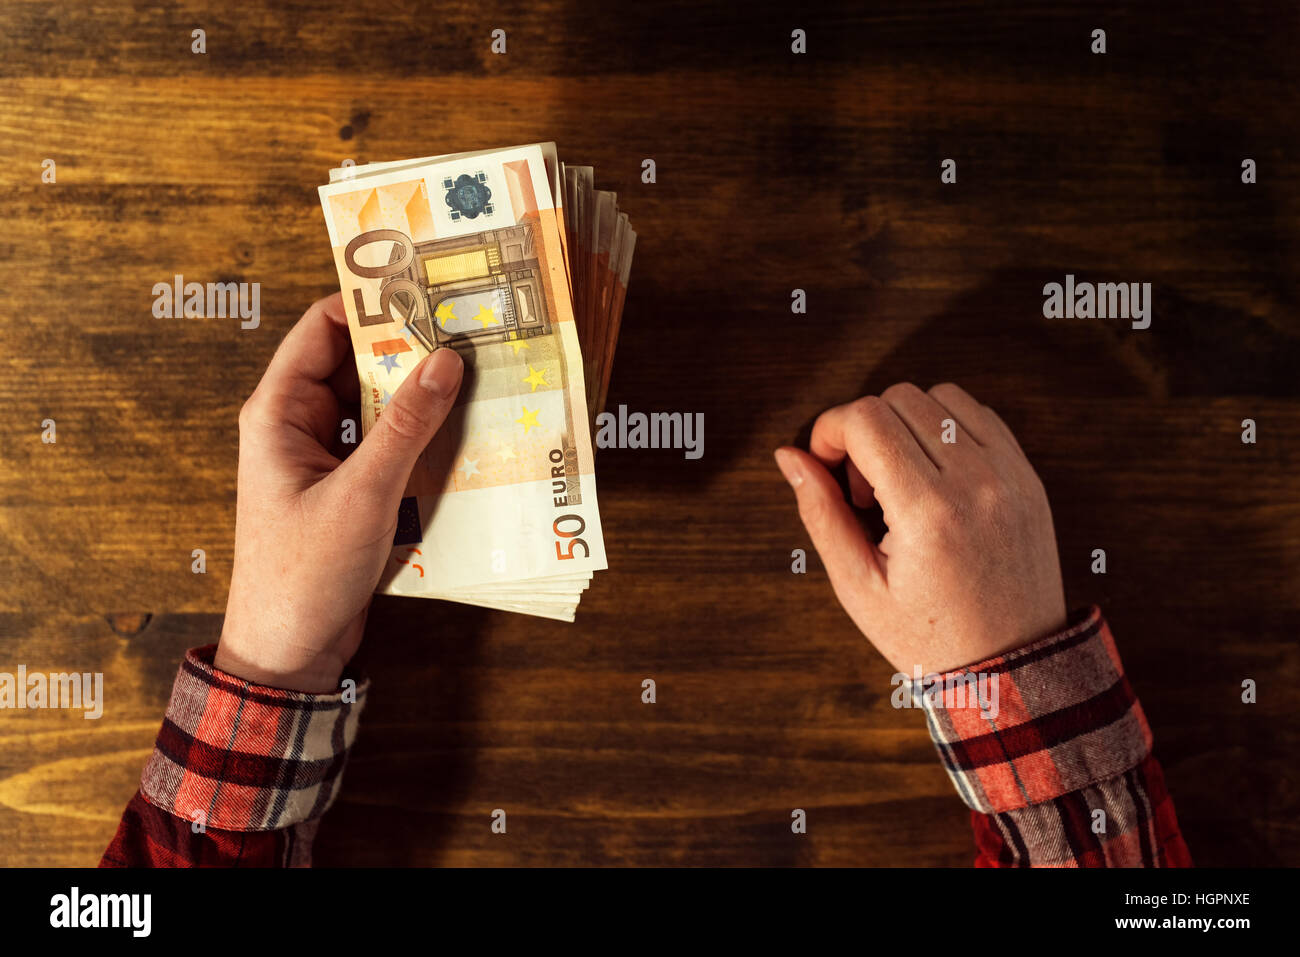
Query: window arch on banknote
(483,287)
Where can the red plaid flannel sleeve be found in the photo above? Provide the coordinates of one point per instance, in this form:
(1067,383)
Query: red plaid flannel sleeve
(1049,747)
(240,773)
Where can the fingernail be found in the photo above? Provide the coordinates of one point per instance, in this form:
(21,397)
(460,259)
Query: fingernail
(441,372)
(789,466)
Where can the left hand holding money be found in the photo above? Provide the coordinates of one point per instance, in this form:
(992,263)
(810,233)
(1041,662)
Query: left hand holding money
(313,530)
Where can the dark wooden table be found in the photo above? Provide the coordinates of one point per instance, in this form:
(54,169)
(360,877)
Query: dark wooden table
(775,172)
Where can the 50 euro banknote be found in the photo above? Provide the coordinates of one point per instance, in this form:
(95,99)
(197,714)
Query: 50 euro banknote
(465,252)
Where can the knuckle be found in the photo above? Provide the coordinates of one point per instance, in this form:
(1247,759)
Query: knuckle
(1033,489)
(257,409)
(247,412)
(996,419)
(947,389)
(404,421)
(871,410)
(899,390)
(998,511)
(984,499)
(992,498)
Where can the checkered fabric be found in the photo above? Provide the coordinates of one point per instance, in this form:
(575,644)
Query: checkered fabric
(1054,759)
(1050,748)
(235,760)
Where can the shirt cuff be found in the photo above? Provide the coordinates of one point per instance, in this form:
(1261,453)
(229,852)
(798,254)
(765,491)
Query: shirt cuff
(1038,722)
(244,757)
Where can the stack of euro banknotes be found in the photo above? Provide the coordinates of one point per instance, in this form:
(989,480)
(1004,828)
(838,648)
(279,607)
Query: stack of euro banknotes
(517,262)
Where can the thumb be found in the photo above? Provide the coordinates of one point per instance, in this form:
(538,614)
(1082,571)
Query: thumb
(383,461)
(836,533)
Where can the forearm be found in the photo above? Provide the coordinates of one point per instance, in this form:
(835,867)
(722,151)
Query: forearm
(240,774)
(1054,759)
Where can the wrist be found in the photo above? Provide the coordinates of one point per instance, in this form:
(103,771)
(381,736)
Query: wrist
(319,673)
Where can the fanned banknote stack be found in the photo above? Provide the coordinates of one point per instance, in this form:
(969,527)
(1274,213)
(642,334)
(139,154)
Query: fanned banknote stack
(517,262)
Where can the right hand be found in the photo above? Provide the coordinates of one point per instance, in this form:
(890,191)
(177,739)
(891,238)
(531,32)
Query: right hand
(968,568)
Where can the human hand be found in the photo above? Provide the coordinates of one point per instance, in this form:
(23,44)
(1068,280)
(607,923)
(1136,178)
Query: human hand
(968,568)
(313,530)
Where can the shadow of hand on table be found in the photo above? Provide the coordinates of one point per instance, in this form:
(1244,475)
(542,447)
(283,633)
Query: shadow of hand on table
(1136,436)
(413,761)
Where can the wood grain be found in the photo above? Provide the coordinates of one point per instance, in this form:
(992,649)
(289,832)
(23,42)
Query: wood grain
(774,172)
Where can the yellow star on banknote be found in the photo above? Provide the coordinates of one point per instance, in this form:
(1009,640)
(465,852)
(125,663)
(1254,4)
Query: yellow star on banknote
(529,419)
(536,378)
(506,452)
(518,344)
(443,313)
(486,316)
